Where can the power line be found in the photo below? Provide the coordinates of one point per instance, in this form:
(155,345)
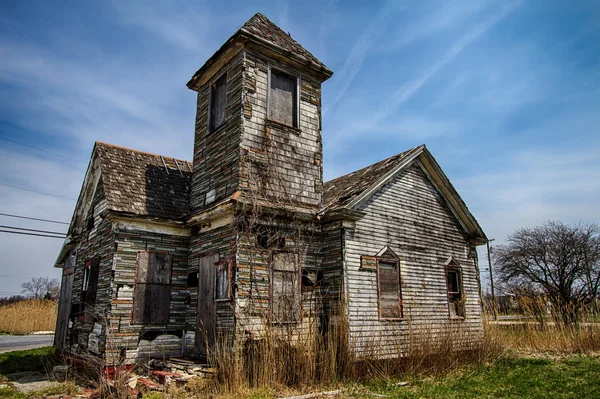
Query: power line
(37,156)
(30,218)
(37,231)
(41,149)
(37,192)
(31,234)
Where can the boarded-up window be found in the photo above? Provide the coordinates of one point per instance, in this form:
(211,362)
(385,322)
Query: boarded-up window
(218,101)
(285,288)
(455,294)
(283,104)
(151,298)
(222,289)
(89,288)
(390,297)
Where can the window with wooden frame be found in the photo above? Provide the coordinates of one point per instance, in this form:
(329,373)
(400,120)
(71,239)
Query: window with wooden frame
(152,292)
(389,289)
(222,292)
(89,287)
(285,288)
(218,103)
(283,98)
(456,303)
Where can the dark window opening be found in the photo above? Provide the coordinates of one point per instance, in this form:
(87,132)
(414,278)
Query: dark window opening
(218,102)
(285,288)
(283,102)
(267,239)
(192,280)
(389,290)
(89,288)
(310,278)
(152,292)
(90,223)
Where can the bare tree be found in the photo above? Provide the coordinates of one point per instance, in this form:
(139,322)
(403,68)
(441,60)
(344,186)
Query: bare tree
(557,260)
(41,288)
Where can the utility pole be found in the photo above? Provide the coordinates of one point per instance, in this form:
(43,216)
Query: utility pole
(491,276)
(491,272)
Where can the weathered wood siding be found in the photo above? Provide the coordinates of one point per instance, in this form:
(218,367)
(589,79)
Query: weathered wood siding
(288,159)
(124,334)
(216,154)
(219,240)
(95,243)
(410,217)
(254,275)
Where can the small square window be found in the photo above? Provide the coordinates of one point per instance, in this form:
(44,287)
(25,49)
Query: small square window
(218,103)
(283,98)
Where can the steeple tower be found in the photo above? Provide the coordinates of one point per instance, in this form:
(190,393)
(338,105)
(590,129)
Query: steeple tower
(258,120)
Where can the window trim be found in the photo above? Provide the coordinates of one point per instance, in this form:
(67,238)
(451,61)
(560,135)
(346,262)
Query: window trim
(395,262)
(210,128)
(299,289)
(452,265)
(228,267)
(292,75)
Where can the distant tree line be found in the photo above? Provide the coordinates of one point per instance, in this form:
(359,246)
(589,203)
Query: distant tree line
(36,288)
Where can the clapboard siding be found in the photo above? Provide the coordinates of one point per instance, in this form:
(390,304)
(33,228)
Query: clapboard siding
(97,243)
(220,240)
(123,333)
(409,216)
(216,154)
(290,157)
(253,305)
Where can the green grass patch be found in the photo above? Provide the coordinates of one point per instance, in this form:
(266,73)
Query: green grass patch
(577,377)
(65,388)
(29,360)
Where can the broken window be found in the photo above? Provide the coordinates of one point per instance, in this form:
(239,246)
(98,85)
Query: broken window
(89,288)
(283,98)
(455,296)
(285,288)
(152,293)
(222,291)
(390,295)
(218,103)
(270,239)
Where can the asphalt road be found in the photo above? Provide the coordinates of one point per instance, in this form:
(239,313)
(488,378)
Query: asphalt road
(9,343)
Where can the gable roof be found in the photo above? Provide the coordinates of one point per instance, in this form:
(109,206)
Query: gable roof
(261,30)
(339,192)
(142,184)
(352,190)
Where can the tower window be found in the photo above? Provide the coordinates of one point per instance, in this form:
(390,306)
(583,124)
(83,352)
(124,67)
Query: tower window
(218,100)
(283,98)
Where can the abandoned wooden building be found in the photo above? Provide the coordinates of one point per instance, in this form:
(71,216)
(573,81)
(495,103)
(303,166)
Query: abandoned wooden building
(166,257)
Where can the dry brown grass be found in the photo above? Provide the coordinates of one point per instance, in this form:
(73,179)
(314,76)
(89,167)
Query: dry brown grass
(28,316)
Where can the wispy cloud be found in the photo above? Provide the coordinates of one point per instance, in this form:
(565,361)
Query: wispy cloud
(407,90)
(358,53)
(179,23)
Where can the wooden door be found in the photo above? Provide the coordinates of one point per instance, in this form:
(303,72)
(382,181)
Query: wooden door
(64,308)
(206,315)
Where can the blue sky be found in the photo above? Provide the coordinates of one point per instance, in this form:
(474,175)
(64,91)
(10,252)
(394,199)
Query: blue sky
(505,95)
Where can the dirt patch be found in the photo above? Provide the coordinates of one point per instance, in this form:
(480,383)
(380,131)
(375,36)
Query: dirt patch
(31,381)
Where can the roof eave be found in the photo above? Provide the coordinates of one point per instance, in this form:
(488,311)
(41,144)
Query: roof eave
(241,37)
